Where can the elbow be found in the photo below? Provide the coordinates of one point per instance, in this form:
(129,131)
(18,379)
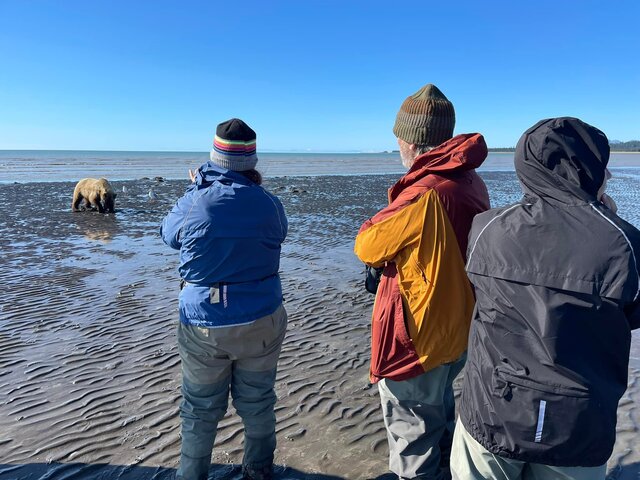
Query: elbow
(173,242)
(169,239)
(366,255)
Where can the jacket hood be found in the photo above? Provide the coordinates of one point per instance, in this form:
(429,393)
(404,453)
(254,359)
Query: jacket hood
(563,159)
(463,152)
(210,172)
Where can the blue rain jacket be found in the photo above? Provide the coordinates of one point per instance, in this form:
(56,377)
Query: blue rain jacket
(229,231)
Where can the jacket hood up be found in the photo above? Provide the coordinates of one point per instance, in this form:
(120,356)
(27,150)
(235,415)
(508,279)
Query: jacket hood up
(563,159)
(463,152)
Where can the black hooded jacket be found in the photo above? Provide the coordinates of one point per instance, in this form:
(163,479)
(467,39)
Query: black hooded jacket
(558,292)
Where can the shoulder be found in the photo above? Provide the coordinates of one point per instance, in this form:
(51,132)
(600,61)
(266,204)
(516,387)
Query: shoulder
(461,183)
(237,197)
(493,222)
(88,182)
(260,190)
(613,225)
(409,197)
(630,232)
(426,187)
(494,214)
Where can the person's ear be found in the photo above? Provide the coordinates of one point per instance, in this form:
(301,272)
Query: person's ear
(413,147)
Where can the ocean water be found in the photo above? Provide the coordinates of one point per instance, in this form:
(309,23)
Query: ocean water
(25,166)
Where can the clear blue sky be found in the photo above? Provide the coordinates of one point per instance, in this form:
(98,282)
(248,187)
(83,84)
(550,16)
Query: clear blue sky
(307,75)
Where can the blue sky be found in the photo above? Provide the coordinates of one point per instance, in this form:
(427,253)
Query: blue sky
(307,75)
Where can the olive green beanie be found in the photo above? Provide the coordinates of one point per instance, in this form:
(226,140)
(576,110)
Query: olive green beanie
(425,118)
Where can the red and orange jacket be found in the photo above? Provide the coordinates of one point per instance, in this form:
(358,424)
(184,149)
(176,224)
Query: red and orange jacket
(424,303)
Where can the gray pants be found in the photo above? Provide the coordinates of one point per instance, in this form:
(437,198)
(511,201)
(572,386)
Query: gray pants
(240,360)
(471,461)
(419,414)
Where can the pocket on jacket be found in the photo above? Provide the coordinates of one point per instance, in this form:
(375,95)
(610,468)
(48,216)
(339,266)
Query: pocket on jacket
(554,424)
(393,354)
(424,285)
(194,302)
(508,378)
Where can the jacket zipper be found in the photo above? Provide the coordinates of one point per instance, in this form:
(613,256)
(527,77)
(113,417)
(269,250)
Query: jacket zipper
(511,379)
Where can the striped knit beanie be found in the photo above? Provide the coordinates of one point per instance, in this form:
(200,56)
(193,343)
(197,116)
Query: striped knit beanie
(234,146)
(425,118)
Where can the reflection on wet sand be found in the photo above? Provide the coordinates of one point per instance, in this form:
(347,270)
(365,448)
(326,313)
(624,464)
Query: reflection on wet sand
(97,227)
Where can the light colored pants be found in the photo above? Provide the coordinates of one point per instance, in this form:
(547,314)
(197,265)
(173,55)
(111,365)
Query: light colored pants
(471,461)
(215,361)
(419,414)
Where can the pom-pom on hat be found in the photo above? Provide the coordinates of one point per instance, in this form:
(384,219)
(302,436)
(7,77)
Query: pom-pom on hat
(234,146)
(425,118)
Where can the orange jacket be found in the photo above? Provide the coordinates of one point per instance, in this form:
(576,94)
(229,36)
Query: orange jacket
(424,302)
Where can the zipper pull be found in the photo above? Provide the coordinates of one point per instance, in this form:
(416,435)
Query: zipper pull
(506,390)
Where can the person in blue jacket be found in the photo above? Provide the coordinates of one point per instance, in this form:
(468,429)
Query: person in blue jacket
(229,231)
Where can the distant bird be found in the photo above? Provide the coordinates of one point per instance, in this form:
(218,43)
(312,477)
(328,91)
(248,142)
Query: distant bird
(153,196)
(124,189)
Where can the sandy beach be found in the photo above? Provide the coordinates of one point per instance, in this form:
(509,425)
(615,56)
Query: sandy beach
(89,369)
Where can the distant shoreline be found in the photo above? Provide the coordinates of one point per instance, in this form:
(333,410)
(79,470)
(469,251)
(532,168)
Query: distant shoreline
(502,150)
(269,152)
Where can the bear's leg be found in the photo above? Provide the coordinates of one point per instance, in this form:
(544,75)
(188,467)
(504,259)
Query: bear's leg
(109,203)
(75,204)
(97,201)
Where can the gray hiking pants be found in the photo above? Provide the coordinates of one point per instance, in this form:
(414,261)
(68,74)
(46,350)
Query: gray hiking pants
(419,414)
(471,461)
(240,360)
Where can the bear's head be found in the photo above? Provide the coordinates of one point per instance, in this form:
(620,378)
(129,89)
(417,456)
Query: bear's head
(109,201)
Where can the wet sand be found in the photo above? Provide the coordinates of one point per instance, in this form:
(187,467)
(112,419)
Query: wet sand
(89,369)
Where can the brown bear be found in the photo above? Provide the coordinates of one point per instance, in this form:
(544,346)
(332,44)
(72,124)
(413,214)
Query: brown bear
(96,192)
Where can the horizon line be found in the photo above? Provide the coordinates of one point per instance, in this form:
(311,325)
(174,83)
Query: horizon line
(321,152)
(206,152)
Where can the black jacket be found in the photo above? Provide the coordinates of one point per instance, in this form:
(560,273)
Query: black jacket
(558,293)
